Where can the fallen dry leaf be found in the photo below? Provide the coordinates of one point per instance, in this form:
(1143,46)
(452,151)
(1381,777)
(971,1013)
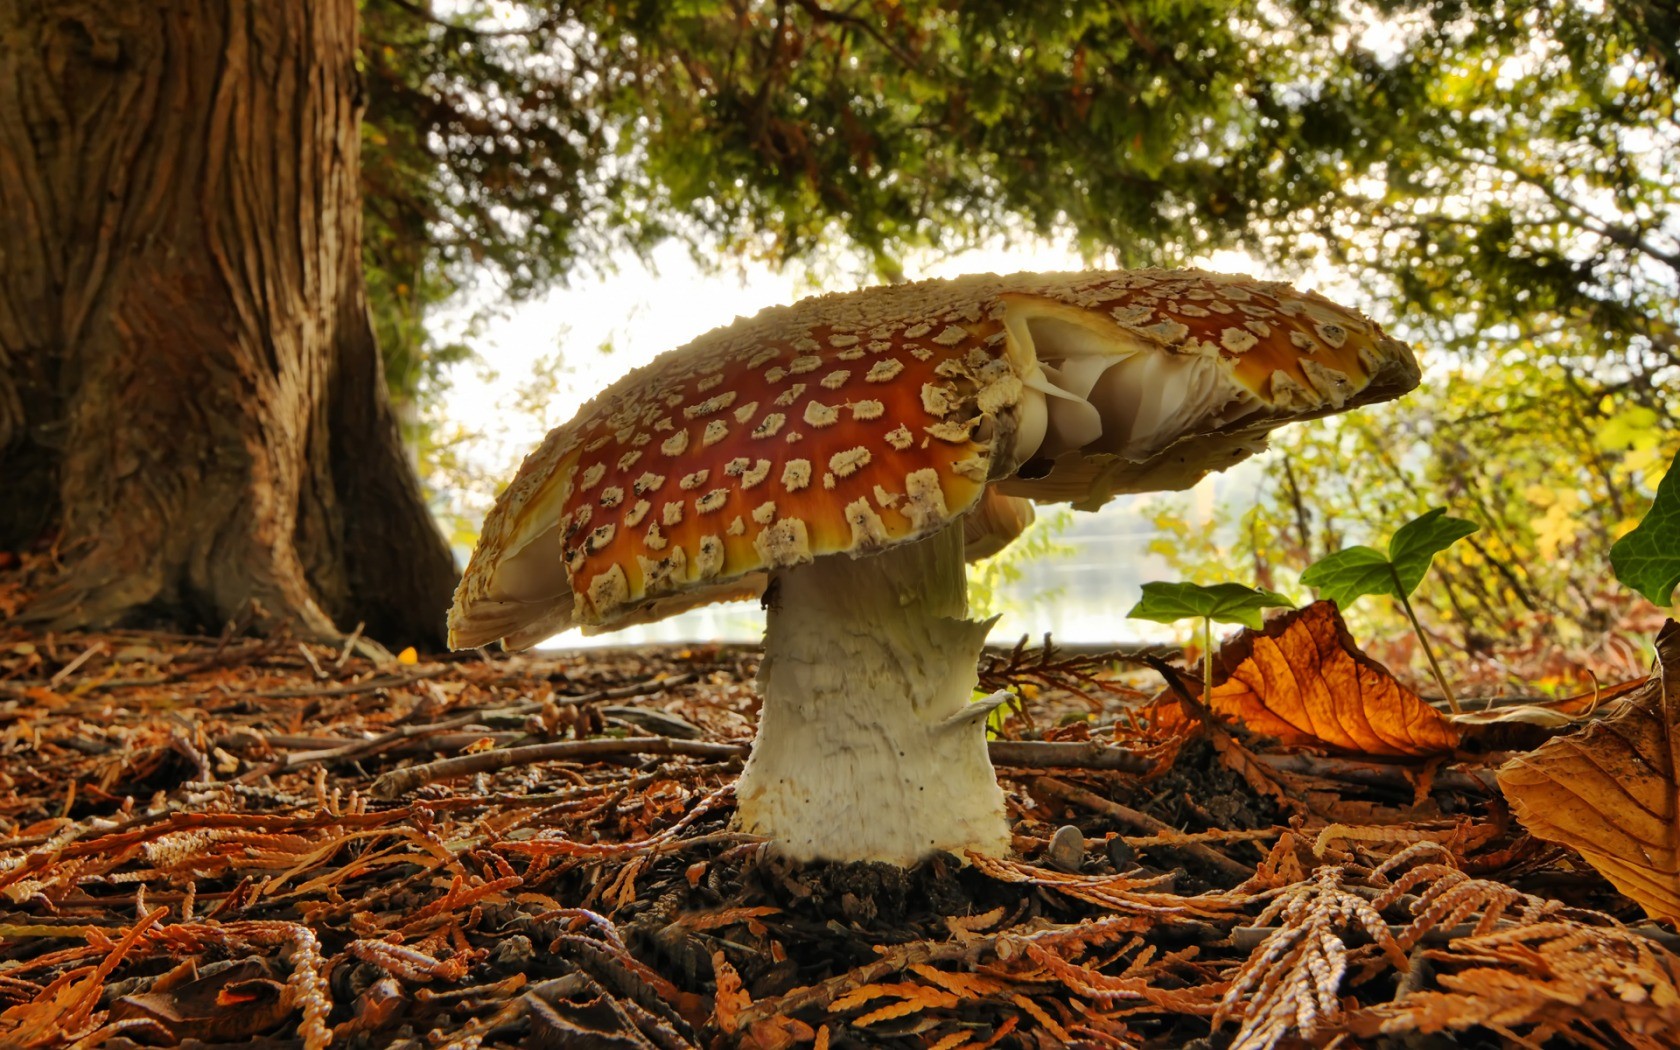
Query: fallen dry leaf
(1305,683)
(1551,714)
(1609,791)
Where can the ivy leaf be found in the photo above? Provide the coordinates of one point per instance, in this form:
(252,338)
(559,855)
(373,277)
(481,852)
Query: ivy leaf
(1222,603)
(1350,574)
(1415,544)
(1648,558)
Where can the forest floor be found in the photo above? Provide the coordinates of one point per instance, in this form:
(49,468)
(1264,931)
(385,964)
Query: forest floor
(226,841)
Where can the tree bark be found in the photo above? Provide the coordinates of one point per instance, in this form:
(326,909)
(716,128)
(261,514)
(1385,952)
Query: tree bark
(191,399)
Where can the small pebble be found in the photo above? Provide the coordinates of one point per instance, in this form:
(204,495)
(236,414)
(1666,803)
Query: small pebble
(1121,854)
(1067,849)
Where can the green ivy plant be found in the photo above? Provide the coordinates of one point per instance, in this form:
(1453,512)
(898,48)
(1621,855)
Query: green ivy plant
(1353,572)
(1648,558)
(1221,602)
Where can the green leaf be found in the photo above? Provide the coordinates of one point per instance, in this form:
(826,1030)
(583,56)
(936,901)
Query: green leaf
(1222,603)
(1648,558)
(1350,574)
(1416,543)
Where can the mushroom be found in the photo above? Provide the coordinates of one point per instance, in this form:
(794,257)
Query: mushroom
(836,455)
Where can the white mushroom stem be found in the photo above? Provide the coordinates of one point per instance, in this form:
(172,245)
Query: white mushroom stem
(870,746)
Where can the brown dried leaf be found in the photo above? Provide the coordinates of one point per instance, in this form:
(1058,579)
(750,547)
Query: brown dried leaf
(1561,977)
(732,998)
(230,1003)
(1610,790)
(1305,683)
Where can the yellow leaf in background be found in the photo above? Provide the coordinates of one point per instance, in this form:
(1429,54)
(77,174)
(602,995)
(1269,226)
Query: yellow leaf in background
(1558,528)
(408,656)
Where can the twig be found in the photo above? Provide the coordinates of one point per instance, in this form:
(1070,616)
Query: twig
(1039,754)
(1050,754)
(399,782)
(70,668)
(389,681)
(1141,821)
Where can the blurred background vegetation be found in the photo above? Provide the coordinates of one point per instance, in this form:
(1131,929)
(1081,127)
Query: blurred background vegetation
(1494,181)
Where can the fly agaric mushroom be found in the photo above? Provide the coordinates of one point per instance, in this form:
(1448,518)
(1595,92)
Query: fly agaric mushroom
(832,450)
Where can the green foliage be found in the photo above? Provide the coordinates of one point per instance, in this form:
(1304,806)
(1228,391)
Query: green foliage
(1353,572)
(1648,558)
(1221,602)
(1000,577)
(1347,575)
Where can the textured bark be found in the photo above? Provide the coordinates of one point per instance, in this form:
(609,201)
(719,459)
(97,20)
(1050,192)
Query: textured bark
(190,393)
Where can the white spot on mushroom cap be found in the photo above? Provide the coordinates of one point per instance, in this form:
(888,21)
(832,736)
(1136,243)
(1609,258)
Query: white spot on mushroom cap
(690,482)
(1331,333)
(784,543)
(1290,394)
(746,411)
(751,478)
(1333,383)
(713,404)
(835,379)
(925,500)
(715,431)
(591,475)
(868,530)
(796,474)
(672,512)
(708,558)
(900,437)
(884,371)
(664,574)
(610,589)
(601,537)
(790,395)
(676,444)
(764,512)
(769,425)
(712,501)
(820,415)
(867,409)
(849,461)
(952,432)
(633,517)
(1237,340)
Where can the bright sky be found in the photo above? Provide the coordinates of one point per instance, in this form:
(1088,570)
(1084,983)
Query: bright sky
(641,312)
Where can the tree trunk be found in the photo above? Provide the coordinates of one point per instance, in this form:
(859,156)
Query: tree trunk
(191,399)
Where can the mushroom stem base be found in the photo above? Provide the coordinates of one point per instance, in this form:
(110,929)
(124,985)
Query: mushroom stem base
(870,746)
